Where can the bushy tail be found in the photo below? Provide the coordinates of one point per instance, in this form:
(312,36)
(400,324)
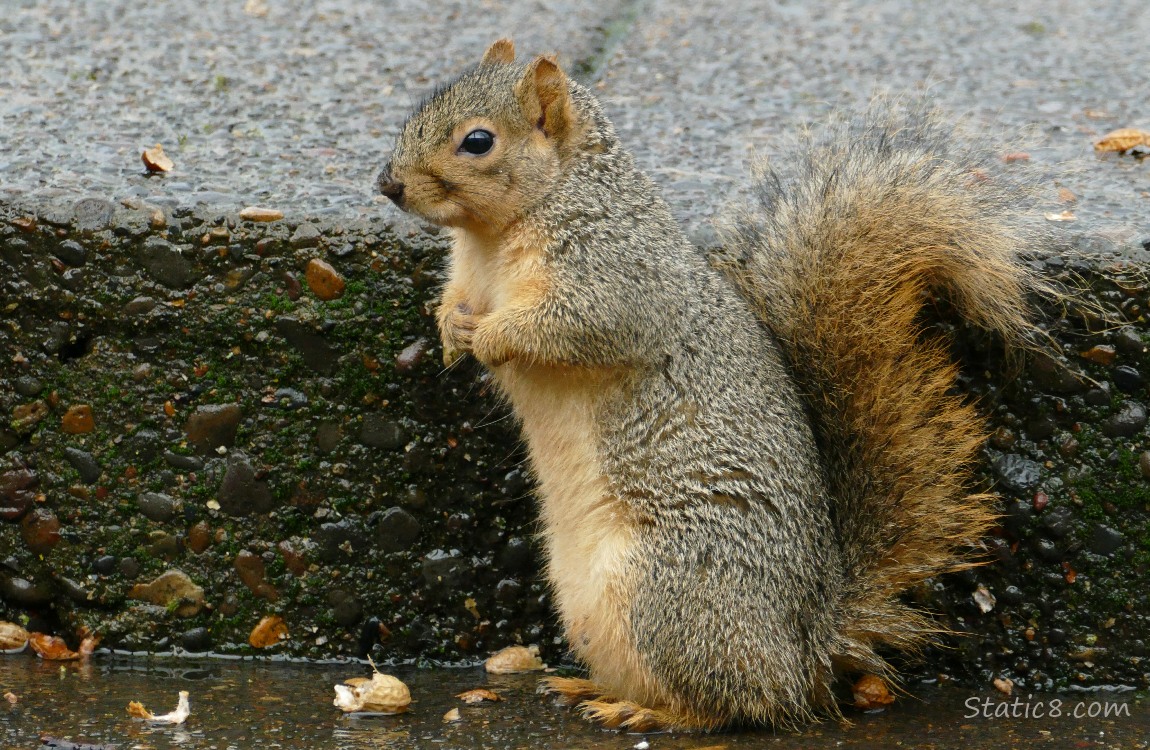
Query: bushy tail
(841,258)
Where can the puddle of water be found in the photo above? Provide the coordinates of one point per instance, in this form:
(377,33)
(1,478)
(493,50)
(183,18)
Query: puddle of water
(240,705)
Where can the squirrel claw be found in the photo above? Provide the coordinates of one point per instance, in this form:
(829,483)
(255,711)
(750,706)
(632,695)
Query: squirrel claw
(630,717)
(570,690)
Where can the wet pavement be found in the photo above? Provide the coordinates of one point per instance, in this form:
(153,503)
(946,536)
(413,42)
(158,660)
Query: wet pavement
(240,705)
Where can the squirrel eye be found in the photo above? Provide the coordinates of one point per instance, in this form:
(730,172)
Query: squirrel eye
(478,142)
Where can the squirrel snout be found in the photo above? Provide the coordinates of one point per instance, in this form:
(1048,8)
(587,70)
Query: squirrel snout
(393,190)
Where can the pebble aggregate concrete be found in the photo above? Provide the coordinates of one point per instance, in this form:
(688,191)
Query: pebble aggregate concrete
(296,108)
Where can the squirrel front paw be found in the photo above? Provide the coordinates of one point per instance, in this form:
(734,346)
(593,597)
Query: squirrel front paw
(456,329)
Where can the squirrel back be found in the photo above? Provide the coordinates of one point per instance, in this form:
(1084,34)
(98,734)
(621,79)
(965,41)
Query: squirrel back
(739,469)
(840,256)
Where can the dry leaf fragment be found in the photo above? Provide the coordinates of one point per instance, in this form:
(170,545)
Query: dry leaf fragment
(268,632)
(1122,139)
(478,695)
(453,715)
(382,693)
(51,648)
(156,160)
(1006,687)
(11,698)
(137,711)
(13,638)
(515,659)
(871,692)
(1064,216)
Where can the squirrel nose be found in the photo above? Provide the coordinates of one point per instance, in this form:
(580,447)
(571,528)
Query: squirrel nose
(393,190)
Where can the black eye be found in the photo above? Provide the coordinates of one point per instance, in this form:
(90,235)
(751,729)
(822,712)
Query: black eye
(478,142)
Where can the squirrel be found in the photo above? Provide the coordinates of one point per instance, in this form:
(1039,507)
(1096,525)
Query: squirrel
(742,458)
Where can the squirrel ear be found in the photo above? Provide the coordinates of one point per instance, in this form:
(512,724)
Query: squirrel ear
(500,51)
(545,99)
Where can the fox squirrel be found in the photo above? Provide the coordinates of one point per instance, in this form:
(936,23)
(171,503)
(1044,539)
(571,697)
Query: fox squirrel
(742,460)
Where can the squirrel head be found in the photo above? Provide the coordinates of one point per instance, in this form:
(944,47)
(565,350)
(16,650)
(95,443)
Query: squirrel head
(486,147)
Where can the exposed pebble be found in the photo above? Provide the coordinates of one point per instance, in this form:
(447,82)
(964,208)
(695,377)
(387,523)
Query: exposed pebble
(397,530)
(317,352)
(253,574)
(411,355)
(40,530)
(1128,341)
(196,640)
(17,493)
(345,608)
(1144,464)
(199,537)
(1129,420)
(78,419)
(377,431)
(84,463)
(305,235)
(256,213)
(1128,379)
(241,492)
(327,436)
(173,588)
(1105,540)
(182,462)
(23,592)
(164,262)
(268,632)
(28,386)
(324,281)
(106,565)
(339,540)
(156,506)
(26,416)
(212,426)
(293,559)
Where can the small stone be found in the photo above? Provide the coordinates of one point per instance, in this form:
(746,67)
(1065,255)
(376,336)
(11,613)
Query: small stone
(345,609)
(40,530)
(106,565)
(196,640)
(130,568)
(23,592)
(1055,376)
(338,541)
(1129,420)
(1016,473)
(72,253)
(213,425)
(268,632)
(164,262)
(870,692)
(172,589)
(253,574)
(1144,464)
(316,351)
(156,506)
(325,281)
(379,432)
(256,213)
(327,437)
(92,214)
(182,462)
(84,464)
(1102,354)
(305,235)
(412,354)
(1099,396)
(140,306)
(293,559)
(241,493)
(26,416)
(1105,540)
(17,492)
(289,398)
(1128,379)
(28,386)
(397,530)
(1129,342)
(292,287)
(78,420)
(199,538)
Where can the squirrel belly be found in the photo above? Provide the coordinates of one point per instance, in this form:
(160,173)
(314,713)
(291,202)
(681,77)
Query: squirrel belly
(742,460)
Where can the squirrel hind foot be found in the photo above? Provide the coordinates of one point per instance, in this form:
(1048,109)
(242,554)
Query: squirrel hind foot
(571,691)
(628,716)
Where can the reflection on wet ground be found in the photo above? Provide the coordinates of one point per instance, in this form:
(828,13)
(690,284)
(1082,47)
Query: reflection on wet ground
(238,705)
